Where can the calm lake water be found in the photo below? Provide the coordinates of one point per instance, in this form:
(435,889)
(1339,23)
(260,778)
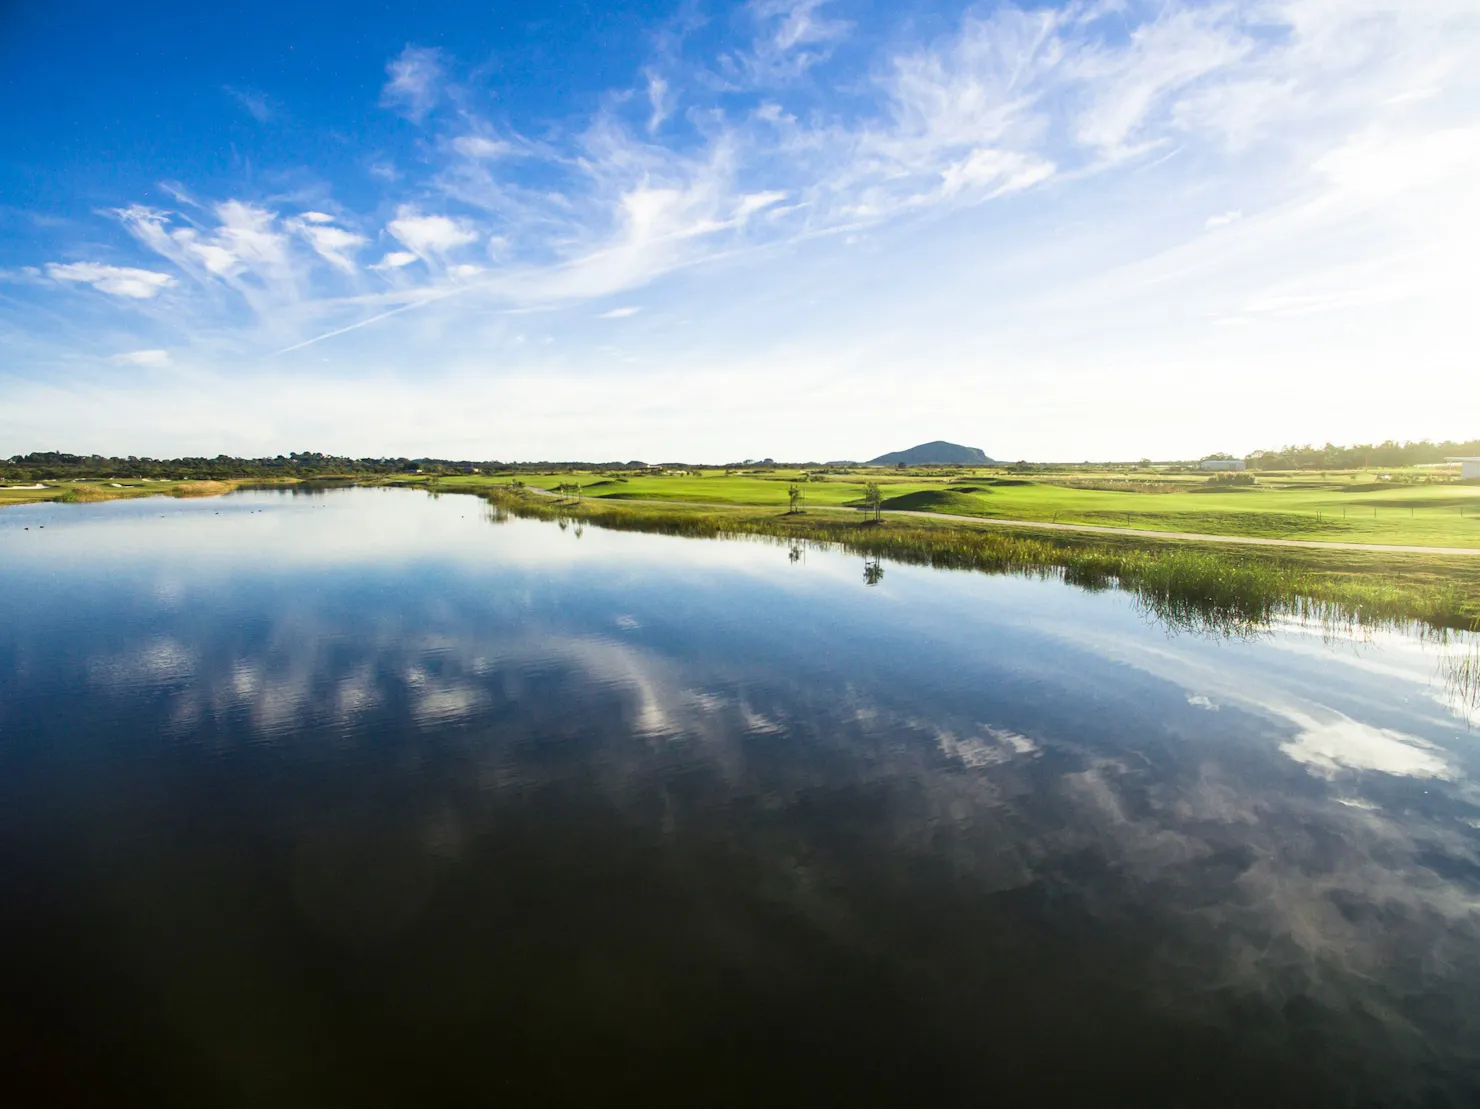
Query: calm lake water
(365,798)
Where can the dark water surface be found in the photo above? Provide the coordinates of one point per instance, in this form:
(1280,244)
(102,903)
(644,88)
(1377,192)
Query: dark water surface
(364,798)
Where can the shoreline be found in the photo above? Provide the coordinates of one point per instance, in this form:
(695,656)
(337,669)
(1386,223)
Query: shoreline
(1225,583)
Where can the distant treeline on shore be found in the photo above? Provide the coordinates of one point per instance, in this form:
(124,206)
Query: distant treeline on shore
(1366,455)
(59,466)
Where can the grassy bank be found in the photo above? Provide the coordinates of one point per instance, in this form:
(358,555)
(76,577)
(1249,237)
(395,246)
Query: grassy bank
(1185,584)
(94,491)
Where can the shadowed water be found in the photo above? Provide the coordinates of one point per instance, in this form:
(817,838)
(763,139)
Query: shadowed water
(364,798)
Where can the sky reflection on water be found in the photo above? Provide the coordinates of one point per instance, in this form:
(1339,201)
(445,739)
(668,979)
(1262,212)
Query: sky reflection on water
(359,797)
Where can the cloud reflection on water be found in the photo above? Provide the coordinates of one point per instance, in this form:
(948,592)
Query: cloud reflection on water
(1036,765)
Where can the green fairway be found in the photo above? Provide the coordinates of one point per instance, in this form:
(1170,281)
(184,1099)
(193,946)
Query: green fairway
(1354,507)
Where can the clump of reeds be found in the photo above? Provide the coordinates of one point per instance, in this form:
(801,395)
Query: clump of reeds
(202,488)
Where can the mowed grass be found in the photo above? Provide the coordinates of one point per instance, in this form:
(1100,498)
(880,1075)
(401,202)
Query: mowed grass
(1343,507)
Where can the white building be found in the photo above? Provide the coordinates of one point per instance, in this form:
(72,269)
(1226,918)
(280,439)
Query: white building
(1220,464)
(1469,468)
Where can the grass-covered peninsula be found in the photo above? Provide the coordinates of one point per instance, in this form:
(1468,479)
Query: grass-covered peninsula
(1185,583)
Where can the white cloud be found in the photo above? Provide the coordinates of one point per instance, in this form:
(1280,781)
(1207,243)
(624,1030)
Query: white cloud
(119,281)
(1164,55)
(430,238)
(248,232)
(792,38)
(1222,219)
(660,101)
(619,313)
(333,244)
(755,202)
(415,83)
(480,146)
(153,359)
(995,171)
(244,243)
(395,260)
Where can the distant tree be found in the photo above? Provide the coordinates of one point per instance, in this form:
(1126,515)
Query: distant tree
(794,497)
(873,499)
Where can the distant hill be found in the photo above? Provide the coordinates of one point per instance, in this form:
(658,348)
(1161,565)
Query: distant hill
(938,453)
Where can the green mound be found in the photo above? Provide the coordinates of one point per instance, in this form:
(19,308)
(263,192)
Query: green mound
(936,500)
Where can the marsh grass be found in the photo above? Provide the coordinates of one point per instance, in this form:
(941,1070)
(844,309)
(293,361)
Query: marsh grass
(1461,673)
(89,493)
(203,488)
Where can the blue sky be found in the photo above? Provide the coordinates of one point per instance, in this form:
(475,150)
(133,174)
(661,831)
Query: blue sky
(791,228)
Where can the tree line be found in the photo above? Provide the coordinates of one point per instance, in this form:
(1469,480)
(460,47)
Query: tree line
(60,466)
(1331,457)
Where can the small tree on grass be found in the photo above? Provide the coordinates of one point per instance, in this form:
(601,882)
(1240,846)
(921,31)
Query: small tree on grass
(873,499)
(794,496)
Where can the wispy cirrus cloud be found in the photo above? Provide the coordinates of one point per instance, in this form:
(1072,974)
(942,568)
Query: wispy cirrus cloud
(415,84)
(793,36)
(151,359)
(254,103)
(1007,102)
(118,281)
(333,244)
